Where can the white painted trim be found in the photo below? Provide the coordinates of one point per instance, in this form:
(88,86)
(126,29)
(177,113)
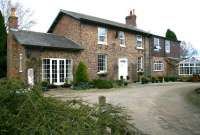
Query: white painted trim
(20,62)
(58,70)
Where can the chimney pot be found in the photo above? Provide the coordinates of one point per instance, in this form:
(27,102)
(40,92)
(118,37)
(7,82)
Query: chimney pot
(133,11)
(131,18)
(13,19)
(13,12)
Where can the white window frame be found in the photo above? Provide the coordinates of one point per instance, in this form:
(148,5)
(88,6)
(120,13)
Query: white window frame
(105,64)
(20,62)
(167,46)
(140,64)
(122,39)
(139,40)
(100,34)
(70,78)
(191,68)
(158,65)
(156,42)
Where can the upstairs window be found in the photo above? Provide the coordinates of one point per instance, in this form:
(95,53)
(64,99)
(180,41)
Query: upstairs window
(140,64)
(167,46)
(156,44)
(122,38)
(102,63)
(158,65)
(139,42)
(102,35)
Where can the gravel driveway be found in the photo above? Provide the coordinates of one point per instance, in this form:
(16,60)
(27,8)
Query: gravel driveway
(157,109)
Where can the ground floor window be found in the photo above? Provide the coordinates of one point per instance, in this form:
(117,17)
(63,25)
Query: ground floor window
(158,65)
(189,68)
(140,64)
(57,71)
(102,63)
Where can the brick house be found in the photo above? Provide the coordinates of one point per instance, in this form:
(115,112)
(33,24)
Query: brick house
(109,49)
(164,56)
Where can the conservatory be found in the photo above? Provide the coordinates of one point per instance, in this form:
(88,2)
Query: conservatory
(189,66)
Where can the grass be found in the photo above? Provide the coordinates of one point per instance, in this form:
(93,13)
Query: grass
(194,98)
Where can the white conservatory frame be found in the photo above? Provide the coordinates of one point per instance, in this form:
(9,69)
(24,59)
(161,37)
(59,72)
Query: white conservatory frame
(189,66)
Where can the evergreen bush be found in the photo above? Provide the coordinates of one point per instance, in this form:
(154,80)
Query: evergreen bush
(102,84)
(27,112)
(81,73)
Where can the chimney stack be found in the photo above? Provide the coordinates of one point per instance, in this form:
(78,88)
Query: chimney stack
(13,19)
(131,18)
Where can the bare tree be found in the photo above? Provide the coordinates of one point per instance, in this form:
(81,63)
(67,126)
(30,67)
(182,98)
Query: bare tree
(188,50)
(25,15)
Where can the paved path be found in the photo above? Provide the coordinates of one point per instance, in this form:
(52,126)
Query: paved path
(157,109)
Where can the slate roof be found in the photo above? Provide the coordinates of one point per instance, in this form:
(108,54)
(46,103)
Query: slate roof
(30,38)
(83,17)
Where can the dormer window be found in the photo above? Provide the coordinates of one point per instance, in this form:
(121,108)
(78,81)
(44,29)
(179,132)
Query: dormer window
(122,39)
(156,44)
(139,42)
(102,36)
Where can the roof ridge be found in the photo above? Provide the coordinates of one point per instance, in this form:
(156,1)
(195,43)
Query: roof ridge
(86,15)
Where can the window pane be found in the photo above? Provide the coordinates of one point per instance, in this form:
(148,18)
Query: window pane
(61,65)
(54,71)
(167,46)
(69,75)
(139,41)
(156,44)
(122,38)
(102,33)
(46,69)
(102,63)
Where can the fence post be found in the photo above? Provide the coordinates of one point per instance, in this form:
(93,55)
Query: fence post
(102,100)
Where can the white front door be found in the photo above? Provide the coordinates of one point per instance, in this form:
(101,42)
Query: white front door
(123,68)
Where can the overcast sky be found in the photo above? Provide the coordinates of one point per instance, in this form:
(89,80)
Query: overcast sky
(156,16)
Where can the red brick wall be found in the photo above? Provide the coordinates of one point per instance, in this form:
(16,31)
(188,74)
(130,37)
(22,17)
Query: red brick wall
(13,51)
(86,35)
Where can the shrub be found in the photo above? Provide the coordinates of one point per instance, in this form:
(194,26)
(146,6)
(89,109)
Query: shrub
(173,78)
(195,78)
(120,83)
(153,79)
(28,112)
(44,84)
(82,86)
(81,73)
(186,78)
(102,84)
(166,78)
(145,80)
(160,79)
